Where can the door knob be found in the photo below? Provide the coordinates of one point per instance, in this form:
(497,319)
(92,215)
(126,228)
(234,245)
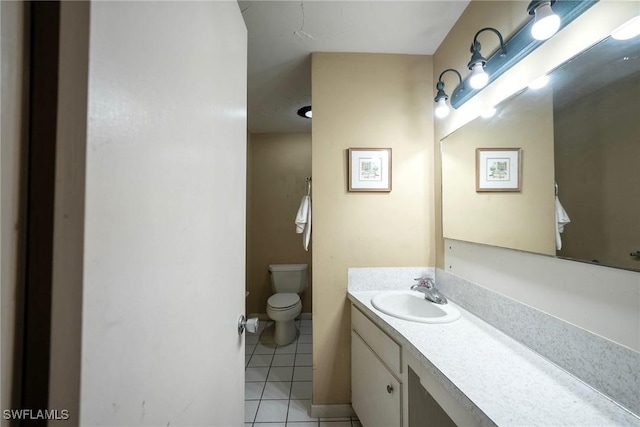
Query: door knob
(251,325)
(389,389)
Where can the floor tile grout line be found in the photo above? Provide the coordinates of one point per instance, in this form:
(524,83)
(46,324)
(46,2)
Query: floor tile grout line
(255,417)
(295,354)
(286,421)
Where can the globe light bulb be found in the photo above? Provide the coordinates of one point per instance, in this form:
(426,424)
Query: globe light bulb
(546,23)
(442,109)
(479,78)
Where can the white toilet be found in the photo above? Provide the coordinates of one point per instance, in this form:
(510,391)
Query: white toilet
(288,281)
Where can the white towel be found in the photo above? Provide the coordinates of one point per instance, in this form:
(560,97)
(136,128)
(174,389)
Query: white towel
(303,221)
(562,219)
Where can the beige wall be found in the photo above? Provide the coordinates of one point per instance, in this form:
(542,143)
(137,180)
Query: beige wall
(365,100)
(519,220)
(14,133)
(597,154)
(278,165)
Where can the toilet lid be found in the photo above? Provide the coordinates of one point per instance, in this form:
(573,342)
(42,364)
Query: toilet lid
(283,300)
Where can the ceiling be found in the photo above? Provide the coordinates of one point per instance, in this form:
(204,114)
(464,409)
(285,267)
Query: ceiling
(283,34)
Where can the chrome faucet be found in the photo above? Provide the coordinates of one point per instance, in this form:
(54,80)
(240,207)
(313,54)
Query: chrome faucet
(428,288)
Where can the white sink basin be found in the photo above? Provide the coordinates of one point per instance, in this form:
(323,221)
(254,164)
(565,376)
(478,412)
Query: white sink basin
(411,305)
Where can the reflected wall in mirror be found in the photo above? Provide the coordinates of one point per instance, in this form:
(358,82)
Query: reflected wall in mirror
(581,131)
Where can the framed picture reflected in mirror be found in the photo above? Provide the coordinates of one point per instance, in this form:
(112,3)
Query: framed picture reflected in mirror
(498,169)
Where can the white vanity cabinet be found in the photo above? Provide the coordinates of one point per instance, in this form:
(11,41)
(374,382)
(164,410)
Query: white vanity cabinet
(376,387)
(390,387)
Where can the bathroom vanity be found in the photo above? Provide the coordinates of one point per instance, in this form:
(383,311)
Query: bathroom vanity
(465,372)
(389,385)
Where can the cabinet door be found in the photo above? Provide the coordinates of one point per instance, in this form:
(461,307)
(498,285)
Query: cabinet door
(375,392)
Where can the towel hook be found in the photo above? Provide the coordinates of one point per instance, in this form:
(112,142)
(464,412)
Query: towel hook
(556,184)
(308,186)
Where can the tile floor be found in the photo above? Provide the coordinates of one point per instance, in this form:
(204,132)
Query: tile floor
(278,382)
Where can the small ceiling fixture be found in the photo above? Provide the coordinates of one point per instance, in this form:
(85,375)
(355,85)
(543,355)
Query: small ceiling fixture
(442,108)
(305,112)
(547,23)
(479,78)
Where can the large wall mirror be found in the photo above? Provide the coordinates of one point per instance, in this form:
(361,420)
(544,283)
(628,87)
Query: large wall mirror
(580,140)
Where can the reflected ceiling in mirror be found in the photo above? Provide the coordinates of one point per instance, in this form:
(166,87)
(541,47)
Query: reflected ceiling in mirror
(579,134)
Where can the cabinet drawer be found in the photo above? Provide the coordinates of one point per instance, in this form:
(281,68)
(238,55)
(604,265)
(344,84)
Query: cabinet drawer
(387,349)
(375,392)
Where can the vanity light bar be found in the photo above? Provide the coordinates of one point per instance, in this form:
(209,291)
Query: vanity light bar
(518,47)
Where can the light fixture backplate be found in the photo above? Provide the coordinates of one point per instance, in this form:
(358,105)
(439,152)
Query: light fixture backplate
(518,47)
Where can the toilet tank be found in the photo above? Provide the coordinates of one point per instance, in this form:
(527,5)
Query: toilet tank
(288,277)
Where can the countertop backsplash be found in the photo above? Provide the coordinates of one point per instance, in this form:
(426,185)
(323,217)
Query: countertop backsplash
(608,367)
(397,278)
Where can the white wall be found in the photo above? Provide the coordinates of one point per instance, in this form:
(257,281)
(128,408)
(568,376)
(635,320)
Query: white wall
(164,212)
(603,300)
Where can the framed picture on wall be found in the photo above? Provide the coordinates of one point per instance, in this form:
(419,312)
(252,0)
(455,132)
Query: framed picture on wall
(369,169)
(498,169)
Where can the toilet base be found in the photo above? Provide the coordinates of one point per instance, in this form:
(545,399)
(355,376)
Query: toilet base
(285,329)
(285,332)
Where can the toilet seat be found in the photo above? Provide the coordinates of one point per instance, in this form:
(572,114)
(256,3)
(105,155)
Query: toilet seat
(283,301)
